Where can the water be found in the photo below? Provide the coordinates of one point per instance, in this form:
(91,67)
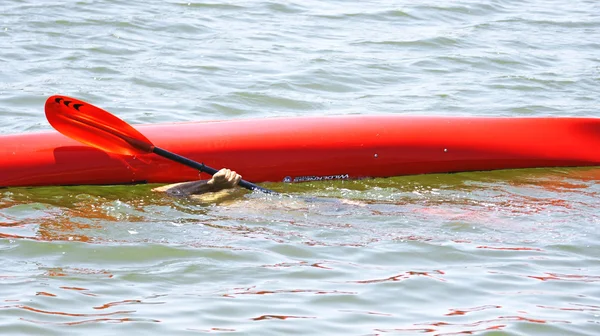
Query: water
(489,253)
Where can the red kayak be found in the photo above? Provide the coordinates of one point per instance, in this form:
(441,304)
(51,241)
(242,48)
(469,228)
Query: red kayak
(309,149)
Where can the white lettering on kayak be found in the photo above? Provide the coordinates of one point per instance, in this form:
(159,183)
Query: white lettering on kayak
(316,178)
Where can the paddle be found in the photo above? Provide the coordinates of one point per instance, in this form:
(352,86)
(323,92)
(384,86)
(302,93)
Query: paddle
(98,128)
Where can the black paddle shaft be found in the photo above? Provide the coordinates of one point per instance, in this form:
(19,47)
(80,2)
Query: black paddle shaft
(204,168)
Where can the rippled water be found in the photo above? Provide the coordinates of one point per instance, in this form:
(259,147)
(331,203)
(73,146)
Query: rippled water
(510,252)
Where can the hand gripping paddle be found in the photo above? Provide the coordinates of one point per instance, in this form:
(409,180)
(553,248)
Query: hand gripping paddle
(98,128)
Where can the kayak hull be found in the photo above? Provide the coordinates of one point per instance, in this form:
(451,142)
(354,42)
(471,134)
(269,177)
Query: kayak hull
(309,148)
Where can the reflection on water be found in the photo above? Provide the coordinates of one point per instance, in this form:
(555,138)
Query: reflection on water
(359,251)
(471,203)
(508,252)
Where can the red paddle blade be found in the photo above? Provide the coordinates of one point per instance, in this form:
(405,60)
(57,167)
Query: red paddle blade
(95,127)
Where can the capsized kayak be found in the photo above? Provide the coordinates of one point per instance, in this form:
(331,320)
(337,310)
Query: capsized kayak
(301,149)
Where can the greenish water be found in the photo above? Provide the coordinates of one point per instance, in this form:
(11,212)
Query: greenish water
(486,253)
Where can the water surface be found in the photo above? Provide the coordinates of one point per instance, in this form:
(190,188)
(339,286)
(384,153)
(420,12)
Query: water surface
(507,252)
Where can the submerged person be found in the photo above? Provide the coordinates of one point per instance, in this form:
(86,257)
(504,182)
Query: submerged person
(222,181)
(223,184)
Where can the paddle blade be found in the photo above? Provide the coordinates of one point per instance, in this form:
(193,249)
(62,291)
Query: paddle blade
(93,126)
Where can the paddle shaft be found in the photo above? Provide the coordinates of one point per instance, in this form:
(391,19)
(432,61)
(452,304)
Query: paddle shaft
(204,168)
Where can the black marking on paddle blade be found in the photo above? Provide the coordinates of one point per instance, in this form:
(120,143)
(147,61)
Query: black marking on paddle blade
(58,99)
(67,102)
(77,106)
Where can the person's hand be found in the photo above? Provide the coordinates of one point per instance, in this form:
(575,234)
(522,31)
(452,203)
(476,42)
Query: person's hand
(224,179)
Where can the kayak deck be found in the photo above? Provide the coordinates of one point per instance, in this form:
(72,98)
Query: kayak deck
(300,149)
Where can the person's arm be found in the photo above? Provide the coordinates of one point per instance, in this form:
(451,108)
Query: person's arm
(223,179)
